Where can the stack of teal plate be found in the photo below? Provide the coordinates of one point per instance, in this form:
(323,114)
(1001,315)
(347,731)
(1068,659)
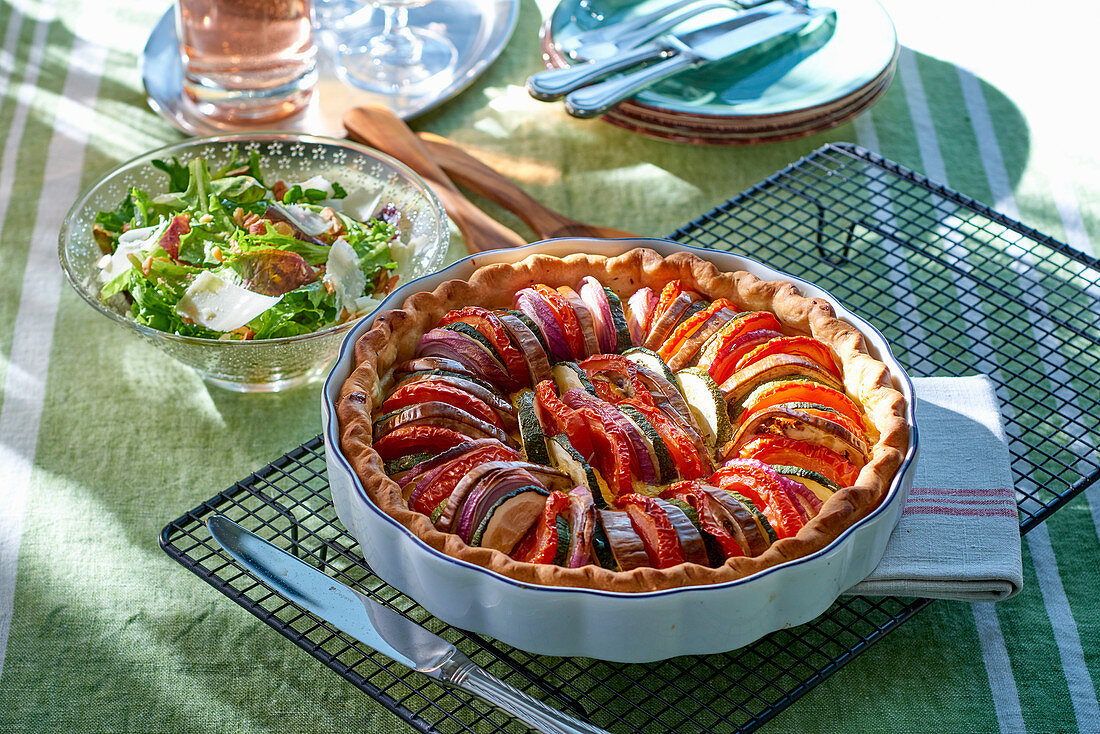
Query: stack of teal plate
(811,82)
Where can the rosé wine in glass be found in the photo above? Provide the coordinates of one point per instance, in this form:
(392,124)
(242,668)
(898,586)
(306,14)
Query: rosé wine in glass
(247,60)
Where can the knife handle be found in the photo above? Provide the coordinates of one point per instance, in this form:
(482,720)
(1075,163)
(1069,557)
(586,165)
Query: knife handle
(555,83)
(596,99)
(463,673)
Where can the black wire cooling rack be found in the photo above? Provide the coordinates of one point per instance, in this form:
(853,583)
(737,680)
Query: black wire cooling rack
(956,288)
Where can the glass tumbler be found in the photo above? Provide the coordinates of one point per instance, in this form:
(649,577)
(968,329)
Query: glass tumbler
(247,61)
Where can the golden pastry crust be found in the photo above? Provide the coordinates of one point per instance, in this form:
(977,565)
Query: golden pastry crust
(395,334)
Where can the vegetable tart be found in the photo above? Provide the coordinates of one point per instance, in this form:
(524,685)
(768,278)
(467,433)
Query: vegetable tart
(629,423)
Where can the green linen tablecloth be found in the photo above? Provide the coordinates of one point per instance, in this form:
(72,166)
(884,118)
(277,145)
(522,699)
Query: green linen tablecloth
(103,440)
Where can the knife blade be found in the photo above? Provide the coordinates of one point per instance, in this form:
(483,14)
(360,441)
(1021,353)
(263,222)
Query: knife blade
(383,629)
(553,84)
(690,51)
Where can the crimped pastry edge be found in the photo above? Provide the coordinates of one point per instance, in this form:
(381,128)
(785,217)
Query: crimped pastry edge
(394,336)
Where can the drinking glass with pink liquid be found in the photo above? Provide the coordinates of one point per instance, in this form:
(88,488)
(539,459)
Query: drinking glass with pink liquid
(247,60)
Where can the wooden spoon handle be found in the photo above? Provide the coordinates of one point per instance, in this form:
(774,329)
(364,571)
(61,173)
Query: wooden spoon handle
(381,129)
(483,180)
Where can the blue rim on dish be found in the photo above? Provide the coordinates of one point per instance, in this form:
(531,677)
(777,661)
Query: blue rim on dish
(331,388)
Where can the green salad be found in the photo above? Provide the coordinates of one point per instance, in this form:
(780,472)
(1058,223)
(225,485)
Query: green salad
(223,255)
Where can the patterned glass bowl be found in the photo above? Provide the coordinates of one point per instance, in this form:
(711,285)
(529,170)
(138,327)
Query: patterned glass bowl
(371,179)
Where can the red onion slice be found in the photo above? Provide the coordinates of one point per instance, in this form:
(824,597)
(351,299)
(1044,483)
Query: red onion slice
(639,310)
(593,295)
(531,303)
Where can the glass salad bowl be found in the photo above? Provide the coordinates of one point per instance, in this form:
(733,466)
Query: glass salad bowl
(372,181)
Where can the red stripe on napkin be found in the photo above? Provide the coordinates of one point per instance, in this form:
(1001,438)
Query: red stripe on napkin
(961,511)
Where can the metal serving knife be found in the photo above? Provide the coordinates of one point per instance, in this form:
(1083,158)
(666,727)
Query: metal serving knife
(383,629)
(689,51)
(554,84)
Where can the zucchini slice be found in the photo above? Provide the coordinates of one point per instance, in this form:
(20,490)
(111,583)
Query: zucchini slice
(565,458)
(819,484)
(666,469)
(618,319)
(561,557)
(532,326)
(704,398)
(652,360)
(404,463)
(532,439)
(509,519)
(570,376)
(761,521)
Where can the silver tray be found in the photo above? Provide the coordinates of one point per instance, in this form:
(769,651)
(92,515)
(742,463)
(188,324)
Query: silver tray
(479,29)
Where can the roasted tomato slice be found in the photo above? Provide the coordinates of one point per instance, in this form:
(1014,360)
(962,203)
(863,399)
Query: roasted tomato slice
(669,293)
(557,417)
(436,485)
(413,439)
(783,451)
(616,378)
(612,450)
(427,391)
(651,523)
(761,485)
(689,326)
(567,319)
(540,545)
(805,391)
(690,494)
(490,326)
(804,346)
(737,327)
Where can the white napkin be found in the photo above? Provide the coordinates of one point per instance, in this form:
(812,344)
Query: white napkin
(959,533)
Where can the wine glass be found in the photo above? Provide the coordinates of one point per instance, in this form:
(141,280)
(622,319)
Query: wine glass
(388,55)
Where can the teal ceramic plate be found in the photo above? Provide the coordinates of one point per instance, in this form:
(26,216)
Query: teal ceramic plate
(809,70)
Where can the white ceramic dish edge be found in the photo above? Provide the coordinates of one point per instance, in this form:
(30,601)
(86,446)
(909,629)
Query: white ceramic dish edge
(594,623)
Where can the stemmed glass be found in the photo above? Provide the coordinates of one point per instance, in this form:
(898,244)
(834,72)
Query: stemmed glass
(390,55)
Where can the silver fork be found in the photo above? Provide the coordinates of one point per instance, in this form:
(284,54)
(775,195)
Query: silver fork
(611,32)
(621,39)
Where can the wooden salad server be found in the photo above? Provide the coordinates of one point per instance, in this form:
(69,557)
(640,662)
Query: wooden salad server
(381,129)
(469,172)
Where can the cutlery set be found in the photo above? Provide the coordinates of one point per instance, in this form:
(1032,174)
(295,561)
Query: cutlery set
(660,48)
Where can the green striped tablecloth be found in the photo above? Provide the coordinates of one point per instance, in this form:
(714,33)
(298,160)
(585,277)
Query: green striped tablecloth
(103,440)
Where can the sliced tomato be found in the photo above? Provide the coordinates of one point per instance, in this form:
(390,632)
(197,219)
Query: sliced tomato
(566,318)
(685,455)
(436,485)
(540,545)
(492,328)
(737,327)
(652,525)
(413,439)
(724,363)
(557,417)
(804,346)
(805,391)
(427,391)
(783,451)
(690,494)
(689,326)
(616,364)
(669,293)
(613,453)
(761,485)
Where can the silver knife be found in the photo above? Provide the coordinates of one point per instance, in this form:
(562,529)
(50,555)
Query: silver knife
(556,83)
(690,51)
(383,629)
